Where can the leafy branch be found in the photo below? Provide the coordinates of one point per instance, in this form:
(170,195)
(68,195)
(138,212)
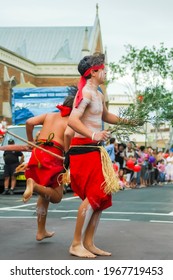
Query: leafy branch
(131,122)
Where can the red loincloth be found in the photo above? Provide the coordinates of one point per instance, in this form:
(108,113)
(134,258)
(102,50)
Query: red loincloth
(44,168)
(87,177)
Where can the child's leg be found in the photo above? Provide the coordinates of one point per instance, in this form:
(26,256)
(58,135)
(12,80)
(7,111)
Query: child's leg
(89,235)
(85,212)
(164,177)
(42,206)
(161,177)
(53,195)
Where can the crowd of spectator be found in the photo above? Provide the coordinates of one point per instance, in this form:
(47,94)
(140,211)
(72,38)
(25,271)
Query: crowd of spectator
(140,166)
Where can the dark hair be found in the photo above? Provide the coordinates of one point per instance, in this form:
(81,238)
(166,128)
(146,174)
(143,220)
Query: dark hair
(69,101)
(112,140)
(122,145)
(149,147)
(89,61)
(10,141)
(142,148)
(72,90)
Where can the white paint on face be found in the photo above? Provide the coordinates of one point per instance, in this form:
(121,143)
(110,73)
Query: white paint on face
(102,75)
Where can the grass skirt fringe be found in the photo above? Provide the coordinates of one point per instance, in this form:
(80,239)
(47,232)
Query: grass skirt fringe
(111,182)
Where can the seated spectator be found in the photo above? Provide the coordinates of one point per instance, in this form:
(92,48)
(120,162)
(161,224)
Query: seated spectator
(123,182)
(128,170)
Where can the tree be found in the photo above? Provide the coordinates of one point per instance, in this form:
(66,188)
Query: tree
(150,70)
(146,67)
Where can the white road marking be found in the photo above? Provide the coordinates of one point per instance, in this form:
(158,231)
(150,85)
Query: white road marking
(30,204)
(159,221)
(102,219)
(18,217)
(18,208)
(24,208)
(139,213)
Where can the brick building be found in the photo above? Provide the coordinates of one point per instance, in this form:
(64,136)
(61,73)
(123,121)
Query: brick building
(43,56)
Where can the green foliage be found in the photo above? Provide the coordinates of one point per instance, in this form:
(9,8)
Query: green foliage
(154,105)
(157,102)
(141,62)
(124,129)
(149,68)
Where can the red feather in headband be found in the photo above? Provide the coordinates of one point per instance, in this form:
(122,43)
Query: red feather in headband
(65,110)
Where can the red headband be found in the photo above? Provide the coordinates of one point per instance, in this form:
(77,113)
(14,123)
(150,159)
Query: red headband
(65,110)
(82,83)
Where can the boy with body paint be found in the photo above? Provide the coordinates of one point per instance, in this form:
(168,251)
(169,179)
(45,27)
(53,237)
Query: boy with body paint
(87,176)
(43,169)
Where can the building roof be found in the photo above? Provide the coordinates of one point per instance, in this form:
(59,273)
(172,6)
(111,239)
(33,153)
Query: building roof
(52,44)
(46,44)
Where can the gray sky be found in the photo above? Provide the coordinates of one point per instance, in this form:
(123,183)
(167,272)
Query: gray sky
(137,22)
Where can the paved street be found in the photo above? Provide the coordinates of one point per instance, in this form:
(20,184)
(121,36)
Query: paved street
(138,226)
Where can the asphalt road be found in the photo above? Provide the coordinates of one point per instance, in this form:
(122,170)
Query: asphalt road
(139,226)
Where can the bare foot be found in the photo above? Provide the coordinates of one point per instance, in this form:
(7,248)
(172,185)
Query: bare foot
(93,249)
(46,234)
(29,190)
(80,251)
